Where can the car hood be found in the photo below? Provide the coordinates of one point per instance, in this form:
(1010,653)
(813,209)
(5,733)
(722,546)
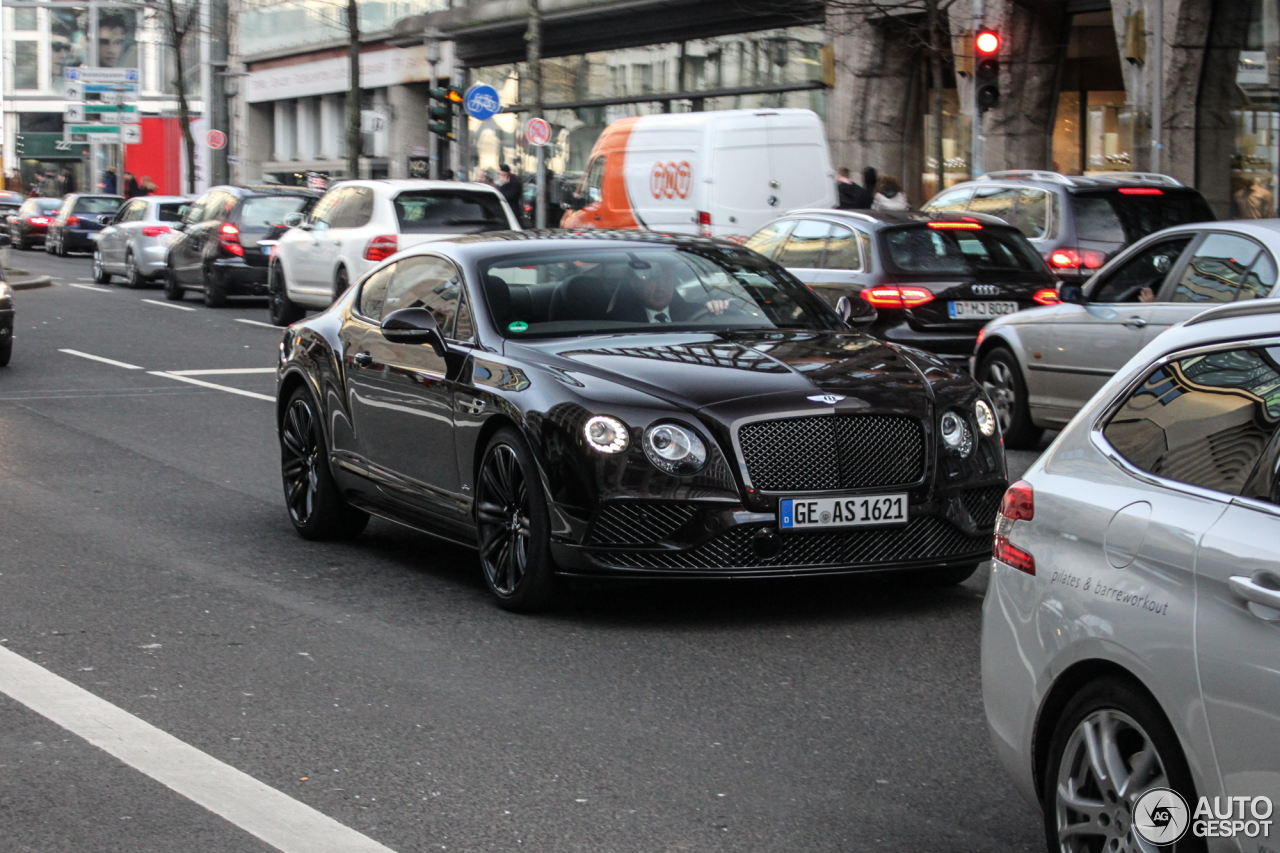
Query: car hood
(702,370)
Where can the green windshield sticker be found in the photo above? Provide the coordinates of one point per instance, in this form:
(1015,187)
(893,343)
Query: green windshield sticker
(518,326)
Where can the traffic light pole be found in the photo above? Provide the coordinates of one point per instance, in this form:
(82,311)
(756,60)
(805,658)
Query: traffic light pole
(976,144)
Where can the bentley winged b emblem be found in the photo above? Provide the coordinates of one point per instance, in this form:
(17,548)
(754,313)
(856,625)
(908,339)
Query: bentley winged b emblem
(829,399)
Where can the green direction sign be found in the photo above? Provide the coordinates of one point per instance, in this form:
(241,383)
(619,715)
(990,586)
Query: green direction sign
(91,128)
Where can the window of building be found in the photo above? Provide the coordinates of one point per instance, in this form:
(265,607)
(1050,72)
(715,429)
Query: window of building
(26,65)
(24,19)
(1094,127)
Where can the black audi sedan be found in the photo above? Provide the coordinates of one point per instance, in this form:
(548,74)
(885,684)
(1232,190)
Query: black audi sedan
(632,405)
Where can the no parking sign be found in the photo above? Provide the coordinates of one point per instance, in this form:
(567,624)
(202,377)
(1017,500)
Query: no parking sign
(537,132)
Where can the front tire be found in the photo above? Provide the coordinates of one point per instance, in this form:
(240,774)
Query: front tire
(316,507)
(215,291)
(100,275)
(282,310)
(6,350)
(1111,725)
(1001,377)
(172,287)
(514,527)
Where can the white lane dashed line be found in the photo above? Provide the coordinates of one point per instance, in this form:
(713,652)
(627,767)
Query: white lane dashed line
(123,364)
(201,382)
(258,323)
(92,287)
(168,305)
(235,796)
(218,371)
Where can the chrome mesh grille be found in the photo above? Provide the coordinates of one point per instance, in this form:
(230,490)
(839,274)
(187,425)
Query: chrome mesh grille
(924,538)
(983,504)
(829,452)
(637,524)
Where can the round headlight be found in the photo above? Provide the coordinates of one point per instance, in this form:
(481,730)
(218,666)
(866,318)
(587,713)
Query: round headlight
(674,449)
(606,434)
(955,433)
(985,417)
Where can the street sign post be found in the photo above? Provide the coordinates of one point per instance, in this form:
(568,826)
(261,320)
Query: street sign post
(537,132)
(216,139)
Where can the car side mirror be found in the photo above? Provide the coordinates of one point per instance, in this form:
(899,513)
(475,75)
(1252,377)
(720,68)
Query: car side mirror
(178,226)
(293,220)
(107,218)
(1071,293)
(856,313)
(414,326)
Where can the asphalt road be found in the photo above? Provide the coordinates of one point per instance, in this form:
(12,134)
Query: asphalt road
(145,557)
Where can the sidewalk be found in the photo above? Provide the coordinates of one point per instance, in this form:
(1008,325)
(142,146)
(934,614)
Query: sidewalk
(23,280)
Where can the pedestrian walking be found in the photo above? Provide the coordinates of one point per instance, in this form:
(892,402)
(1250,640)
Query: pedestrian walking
(148,186)
(851,196)
(889,195)
(512,189)
(130,185)
(109,184)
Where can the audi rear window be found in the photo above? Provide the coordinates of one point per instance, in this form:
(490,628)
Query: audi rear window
(449,212)
(1120,218)
(959,248)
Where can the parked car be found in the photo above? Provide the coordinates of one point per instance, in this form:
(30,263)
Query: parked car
(1130,624)
(10,202)
(6,311)
(30,224)
(1078,223)
(217,249)
(136,243)
(357,224)
(934,279)
(654,172)
(78,222)
(1040,367)
(678,406)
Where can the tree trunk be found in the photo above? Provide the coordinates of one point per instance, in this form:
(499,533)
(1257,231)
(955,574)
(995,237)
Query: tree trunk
(935,69)
(177,36)
(353,93)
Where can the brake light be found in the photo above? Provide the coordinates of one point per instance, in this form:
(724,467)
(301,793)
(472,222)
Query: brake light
(39,220)
(380,248)
(1140,191)
(1018,504)
(1006,552)
(1048,296)
(704,223)
(896,296)
(73,221)
(229,239)
(1073,259)
(155,230)
(982,336)
(956,226)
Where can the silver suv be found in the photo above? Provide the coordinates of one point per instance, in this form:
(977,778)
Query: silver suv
(1077,223)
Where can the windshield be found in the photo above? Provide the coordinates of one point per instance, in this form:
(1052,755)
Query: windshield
(604,291)
(450,212)
(98,205)
(1118,219)
(951,251)
(269,211)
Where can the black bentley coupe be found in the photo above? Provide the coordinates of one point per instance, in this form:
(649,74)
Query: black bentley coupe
(635,405)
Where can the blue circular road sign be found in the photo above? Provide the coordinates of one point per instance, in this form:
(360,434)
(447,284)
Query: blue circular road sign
(481,102)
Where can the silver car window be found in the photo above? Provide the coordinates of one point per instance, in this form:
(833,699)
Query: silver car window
(1140,278)
(767,240)
(843,251)
(1217,269)
(805,246)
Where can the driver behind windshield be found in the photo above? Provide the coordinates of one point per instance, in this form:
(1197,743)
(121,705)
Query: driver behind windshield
(652,298)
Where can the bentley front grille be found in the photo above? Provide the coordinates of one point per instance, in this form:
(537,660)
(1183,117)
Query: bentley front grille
(830,452)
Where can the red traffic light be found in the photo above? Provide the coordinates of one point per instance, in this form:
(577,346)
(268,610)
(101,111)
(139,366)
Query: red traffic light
(987,43)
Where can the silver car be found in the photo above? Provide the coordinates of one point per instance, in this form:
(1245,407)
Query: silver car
(135,243)
(1131,627)
(1041,366)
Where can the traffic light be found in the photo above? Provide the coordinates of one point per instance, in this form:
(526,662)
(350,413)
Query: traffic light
(986,75)
(442,113)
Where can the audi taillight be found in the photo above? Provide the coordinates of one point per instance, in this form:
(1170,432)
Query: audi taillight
(229,239)
(704,223)
(155,230)
(73,221)
(1074,259)
(380,248)
(897,296)
(1047,296)
(1018,504)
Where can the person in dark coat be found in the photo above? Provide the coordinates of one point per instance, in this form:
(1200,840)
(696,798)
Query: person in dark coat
(512,189)
(130,185)
(851,196)
(109,181)
(651,298)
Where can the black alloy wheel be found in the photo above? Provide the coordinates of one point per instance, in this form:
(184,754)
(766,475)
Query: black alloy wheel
(132,275)
(215,290)
(311,495)
(6,349)
(172,288)
(513,527)
(100,275)
(1000,376)
(282,310)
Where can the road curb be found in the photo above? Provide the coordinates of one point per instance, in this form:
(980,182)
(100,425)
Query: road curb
(32,283)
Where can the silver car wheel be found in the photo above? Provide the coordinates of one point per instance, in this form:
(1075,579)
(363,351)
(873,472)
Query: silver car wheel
(97,265)
(999,385)
(1108,763)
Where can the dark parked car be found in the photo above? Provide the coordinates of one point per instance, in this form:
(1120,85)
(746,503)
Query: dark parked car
(217,251)
(630,405)
(10,202)
(78,222)
(1077,223)
(6,312)
(30,224)
(934,279)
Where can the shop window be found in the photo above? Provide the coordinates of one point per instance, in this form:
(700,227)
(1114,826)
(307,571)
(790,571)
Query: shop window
(1093,129)
(956,145)
(24,19)
(25,68)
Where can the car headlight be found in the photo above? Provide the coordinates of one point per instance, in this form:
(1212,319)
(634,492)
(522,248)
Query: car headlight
(6,292)
(606,434)
(955,433)
(674,449)
(985,417)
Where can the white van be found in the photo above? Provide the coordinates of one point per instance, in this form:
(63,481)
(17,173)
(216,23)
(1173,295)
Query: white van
(722,174)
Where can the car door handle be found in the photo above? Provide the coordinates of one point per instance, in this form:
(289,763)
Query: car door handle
(1135,322)
(1262,591)
(363,359)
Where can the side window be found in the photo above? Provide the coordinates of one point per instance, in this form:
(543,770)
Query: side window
(1261,279)
(595,180)
(327,208)
(195,213)
(425,282)
(373,293)
(995,201)
(804,247)
(356,208)
(1031,216)
(1140,277)
(842,250)
(1204,420)
(228,205)
(1216,270)
(464,327)
(135,211)
(951,201)
(767,240)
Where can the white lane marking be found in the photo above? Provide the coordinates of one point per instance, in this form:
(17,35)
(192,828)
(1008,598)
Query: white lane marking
(257,323)
(92,287)
(201,382)
(123,364)
(168,305)
(229,370)
(235,796)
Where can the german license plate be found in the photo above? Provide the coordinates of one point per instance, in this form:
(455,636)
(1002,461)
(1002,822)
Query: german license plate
(980,310)
(865,511)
